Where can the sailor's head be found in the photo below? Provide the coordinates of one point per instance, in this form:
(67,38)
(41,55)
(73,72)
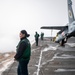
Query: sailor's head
(23,33)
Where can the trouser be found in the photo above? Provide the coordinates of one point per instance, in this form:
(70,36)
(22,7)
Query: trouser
(23,67)
(41,38)
(36,42)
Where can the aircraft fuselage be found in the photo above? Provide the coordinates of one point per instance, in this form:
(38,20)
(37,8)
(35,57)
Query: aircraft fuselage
(66,33)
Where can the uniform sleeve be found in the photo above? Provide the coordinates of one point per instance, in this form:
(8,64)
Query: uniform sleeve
(21,50)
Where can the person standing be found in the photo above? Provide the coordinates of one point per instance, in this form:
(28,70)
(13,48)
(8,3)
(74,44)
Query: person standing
(23,53)
(36,38)
(42,35)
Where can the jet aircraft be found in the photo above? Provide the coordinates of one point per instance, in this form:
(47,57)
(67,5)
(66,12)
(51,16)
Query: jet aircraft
(66,31)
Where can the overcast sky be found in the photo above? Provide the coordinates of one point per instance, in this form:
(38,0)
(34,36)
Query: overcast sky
(16,15)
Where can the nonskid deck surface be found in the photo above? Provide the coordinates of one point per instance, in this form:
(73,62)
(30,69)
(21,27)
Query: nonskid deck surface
(49,59)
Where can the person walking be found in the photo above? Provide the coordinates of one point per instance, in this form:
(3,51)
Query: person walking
(36,38)
(23,53)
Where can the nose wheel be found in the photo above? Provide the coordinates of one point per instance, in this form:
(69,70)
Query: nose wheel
(62,42)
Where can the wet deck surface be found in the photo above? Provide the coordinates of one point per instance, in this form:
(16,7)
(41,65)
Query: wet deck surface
(49,59)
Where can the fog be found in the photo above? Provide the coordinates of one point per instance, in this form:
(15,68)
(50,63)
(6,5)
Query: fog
(30,15)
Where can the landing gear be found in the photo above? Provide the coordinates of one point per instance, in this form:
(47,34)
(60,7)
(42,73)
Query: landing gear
(62,42)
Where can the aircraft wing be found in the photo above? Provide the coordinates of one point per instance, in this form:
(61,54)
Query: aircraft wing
(53,27)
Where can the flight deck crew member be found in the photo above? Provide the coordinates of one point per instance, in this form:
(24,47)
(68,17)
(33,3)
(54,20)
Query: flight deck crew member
(36,38)
(42,35)
(23,53)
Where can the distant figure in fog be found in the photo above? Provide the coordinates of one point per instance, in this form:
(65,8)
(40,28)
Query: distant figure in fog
(23,53)
(42,36)
(36,38)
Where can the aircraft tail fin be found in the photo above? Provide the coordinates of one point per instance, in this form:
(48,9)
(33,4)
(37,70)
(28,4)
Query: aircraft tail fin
(70,12)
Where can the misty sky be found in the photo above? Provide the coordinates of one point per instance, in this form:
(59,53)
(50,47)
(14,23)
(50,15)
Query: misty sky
(16,15)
